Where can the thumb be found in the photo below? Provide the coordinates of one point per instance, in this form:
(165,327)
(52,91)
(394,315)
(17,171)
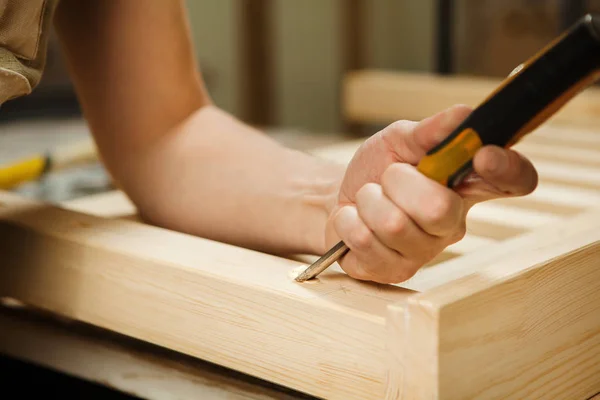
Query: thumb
(432,130)
(499,173)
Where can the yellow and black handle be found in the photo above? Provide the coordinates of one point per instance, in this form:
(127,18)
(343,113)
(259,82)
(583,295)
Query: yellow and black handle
(526,99)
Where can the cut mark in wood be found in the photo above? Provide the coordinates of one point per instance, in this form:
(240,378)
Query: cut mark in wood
(295,272)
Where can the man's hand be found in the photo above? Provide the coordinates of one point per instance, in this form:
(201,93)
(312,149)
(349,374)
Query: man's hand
(393,218)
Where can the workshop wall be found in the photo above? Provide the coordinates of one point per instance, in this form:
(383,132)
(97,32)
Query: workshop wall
(308,45)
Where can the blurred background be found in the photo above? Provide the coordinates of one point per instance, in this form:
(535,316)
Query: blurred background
(279,64)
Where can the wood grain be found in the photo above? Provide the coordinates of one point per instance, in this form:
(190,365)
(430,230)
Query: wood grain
(128,366)
(522,327)
(521,287)
(220,303)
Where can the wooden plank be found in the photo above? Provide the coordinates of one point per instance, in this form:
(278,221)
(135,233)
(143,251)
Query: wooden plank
(583,137)
(546,238)
(553,152)
(495,213)
(381,97)
(220,303)
(555,199)
(126,365)
(570,175)
(526,326)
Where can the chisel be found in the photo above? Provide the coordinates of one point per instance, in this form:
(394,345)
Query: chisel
(531,94)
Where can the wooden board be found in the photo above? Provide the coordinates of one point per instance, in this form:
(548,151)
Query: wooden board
(126,365)
(381,96)
(223,304)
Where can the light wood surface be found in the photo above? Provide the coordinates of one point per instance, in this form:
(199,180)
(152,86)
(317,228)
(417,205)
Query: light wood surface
(518,329)
(521,288)
(382,96)
(126,365)
(237,308)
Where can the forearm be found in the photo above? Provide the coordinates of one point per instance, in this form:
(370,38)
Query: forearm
(185,164)
(218,178)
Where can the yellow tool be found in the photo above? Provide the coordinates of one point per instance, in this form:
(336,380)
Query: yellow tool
(36,166)
(529,96)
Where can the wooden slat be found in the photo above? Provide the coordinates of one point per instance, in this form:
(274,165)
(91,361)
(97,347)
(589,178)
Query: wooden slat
(231,306)
(569,175)
(495,213)
(494,231)
(583,137)
(543,241)
(471,243)
(535,150)
(381,97)
(566,195)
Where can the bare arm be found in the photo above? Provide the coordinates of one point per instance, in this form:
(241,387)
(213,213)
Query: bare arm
(186,164)
(189,166)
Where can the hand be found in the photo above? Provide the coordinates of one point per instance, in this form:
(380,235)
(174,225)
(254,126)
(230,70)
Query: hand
(393,218)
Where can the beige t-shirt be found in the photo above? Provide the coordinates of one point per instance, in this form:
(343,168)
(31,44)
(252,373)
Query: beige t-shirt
(24,32)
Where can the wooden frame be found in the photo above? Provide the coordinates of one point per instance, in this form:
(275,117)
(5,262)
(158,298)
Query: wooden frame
(511,311)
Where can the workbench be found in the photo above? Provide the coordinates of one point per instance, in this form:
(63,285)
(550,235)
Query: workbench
(510,311)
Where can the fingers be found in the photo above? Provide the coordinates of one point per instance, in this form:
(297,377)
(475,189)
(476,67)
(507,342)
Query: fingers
(398,226)
(507,170)
(368,258)
(501,173)
(436,209)
(393,227)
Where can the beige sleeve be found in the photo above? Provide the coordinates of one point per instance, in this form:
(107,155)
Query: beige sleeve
(24,31)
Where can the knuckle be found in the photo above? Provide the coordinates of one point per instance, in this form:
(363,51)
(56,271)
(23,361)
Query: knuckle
(392,174)
(360,238)
(395,224)
(442,210)
(401,125)
(368,191)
